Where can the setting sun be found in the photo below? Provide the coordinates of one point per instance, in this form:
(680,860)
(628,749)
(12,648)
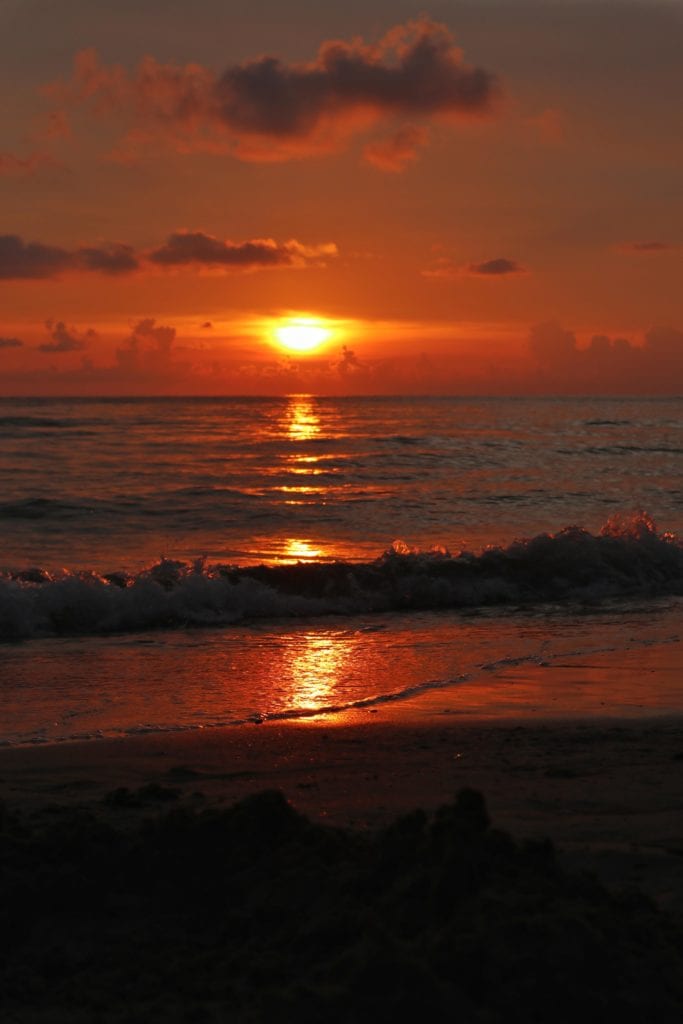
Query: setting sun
(302,334)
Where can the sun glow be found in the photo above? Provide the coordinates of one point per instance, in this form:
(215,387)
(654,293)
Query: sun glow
(302,334)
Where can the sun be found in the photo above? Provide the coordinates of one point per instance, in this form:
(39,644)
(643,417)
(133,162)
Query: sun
(302,334)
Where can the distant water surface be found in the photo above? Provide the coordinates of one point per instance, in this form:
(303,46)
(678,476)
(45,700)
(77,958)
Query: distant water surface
(116,484)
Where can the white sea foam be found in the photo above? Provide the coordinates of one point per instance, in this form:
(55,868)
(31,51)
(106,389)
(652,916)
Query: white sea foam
(629,557)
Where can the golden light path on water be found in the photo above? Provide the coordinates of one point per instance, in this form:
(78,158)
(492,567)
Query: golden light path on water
(301,423)
(318,665)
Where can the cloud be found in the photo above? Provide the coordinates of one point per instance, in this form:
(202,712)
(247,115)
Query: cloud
(66,339)
(645,247)
(113,258)
(444,267)
(265,109)
(396,152)
(196,247)
(609,365)
(496,268)
(348,363)
(34,260)
(10,343)
(148,347)
(20,167)
(20,260)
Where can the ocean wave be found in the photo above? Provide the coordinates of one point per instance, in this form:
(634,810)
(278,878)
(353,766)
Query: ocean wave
(44,508)
(629,557)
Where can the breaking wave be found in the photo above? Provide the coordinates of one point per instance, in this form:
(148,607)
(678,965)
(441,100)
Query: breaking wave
(629,557)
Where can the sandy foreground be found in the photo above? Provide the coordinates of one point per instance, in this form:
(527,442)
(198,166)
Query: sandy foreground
(607,791)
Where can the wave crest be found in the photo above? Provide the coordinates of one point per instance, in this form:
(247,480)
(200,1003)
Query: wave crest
(628,557)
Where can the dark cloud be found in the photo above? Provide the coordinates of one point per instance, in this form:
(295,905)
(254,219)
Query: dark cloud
(207,325)
(267,109)
(34,260)
(445,267)
(415,70)
(114,258)
(19,259)
(495,268)
(66,339)
(10,343)
(186,247)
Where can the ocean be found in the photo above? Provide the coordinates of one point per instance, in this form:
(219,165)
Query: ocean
(171,564)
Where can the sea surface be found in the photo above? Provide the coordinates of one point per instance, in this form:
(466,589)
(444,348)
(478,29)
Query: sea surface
(176,564)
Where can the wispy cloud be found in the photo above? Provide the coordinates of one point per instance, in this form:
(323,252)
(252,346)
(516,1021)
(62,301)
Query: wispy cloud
(394,153)
(22,167)
(645,247)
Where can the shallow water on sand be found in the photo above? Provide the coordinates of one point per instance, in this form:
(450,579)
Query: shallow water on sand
(620,660)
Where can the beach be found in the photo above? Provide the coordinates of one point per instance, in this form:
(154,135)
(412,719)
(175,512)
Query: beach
(346,870)
(607,789)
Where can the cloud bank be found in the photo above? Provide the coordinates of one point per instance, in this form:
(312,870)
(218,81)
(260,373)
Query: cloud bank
(20,260)
(612,365)
(266,109)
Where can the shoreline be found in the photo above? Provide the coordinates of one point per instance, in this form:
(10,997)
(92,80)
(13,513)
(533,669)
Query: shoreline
(607,792)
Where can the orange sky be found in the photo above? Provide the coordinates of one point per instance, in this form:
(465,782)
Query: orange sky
(482,199)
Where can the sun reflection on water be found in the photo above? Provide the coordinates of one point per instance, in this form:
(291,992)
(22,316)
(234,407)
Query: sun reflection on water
(301,421)
(298,550)
(318,665)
